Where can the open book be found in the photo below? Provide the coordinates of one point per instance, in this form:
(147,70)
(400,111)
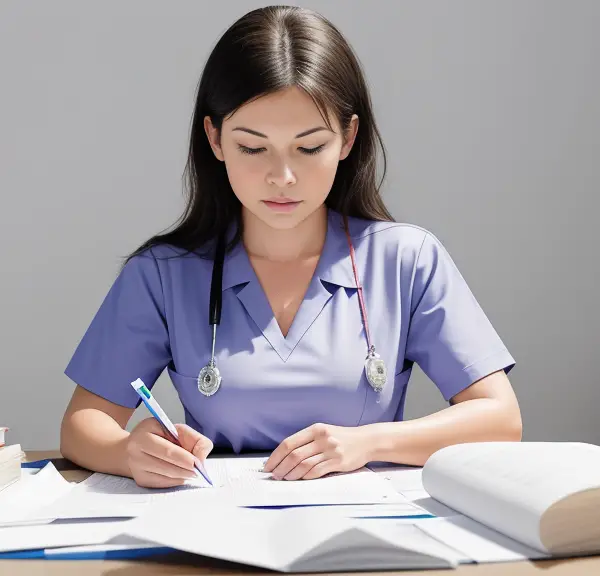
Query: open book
(290,539)
(545,495)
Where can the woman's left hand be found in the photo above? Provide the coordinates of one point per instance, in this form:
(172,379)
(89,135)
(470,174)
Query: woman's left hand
(318,450)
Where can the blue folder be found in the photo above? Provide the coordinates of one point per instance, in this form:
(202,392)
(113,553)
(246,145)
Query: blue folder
(47,554)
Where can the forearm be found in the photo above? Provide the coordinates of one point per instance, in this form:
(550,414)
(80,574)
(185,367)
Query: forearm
(94,440)
(413,441)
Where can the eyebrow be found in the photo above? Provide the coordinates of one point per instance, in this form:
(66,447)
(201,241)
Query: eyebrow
(261,135)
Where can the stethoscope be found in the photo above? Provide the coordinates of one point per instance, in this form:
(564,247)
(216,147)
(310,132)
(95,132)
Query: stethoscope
(209,378)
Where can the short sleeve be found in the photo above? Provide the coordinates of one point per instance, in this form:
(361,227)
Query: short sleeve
(127,338)
(450,337)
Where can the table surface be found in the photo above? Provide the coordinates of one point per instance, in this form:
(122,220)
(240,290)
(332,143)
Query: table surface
(187,564)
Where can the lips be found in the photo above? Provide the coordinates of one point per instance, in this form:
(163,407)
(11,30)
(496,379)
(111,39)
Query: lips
(281,200)
(280,204)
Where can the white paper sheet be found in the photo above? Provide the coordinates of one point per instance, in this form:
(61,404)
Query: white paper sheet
(423,500)
(51,535)
(400,510)
(477,541)
(259,489)
(401,478)
(31,493)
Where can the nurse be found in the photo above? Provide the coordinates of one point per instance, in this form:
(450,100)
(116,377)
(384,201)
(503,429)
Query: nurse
(322,303)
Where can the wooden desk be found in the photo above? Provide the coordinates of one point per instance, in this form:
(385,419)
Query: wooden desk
(187,564)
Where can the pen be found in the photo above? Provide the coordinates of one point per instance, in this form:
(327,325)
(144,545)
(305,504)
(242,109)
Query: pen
(163,419)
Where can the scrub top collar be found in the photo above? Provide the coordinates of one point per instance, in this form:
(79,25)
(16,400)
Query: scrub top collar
(334,267)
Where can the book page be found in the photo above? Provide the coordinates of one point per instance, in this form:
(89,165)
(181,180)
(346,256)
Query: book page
(509,485)
(477,542)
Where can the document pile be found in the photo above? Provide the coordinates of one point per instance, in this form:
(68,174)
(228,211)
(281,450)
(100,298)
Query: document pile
(471,503)
(10,461)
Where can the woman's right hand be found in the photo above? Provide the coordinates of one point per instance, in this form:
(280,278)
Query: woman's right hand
(156,462)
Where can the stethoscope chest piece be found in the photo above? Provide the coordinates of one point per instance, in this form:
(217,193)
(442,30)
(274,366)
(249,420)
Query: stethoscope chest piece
(209,379)
(375,371)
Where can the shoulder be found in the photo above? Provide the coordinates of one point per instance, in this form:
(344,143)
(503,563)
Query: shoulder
(393,239)
(162,263)
(162,256)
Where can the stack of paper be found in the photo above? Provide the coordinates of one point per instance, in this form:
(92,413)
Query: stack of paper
(239,482)
(503,502)
(46,516)
(10,463)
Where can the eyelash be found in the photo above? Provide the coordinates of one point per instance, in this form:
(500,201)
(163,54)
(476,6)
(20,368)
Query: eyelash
(253,151)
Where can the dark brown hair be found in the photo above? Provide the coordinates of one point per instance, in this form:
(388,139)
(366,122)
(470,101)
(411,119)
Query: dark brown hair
(265,51)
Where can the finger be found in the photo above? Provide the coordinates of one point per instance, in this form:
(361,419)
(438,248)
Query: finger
(168,451)
(292,442)
(321,469)
(294,458)
(153,426)
(149,463)
(305,467)
(152,480)
(194,442)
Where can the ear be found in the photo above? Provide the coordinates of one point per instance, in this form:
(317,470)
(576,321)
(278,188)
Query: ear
(214,138)
(349,137)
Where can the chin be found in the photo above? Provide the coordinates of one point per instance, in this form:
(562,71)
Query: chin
(283,221)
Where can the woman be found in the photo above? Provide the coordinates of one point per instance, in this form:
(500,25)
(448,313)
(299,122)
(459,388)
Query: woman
(284,208)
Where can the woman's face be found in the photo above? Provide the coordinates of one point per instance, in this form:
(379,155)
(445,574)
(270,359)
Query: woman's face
(280,157)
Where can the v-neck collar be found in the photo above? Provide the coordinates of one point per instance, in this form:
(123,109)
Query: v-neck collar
(334,267)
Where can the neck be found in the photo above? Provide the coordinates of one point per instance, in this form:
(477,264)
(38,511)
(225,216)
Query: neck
(303,241)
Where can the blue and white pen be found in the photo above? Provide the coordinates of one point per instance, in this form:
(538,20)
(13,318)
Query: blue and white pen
(160,415)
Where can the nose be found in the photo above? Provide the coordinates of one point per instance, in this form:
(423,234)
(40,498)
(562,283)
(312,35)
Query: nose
(281,175)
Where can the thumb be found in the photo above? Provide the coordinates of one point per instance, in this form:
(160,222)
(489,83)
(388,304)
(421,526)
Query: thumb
(194,442)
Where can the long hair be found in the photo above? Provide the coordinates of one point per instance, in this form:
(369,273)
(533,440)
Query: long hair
(265,51)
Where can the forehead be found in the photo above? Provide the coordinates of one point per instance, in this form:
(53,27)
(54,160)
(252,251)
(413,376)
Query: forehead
(290,110)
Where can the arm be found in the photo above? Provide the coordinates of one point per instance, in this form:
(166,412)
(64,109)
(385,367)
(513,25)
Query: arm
(485,411)
(93,433)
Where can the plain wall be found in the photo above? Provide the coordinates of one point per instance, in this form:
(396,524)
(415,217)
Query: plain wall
(490,115)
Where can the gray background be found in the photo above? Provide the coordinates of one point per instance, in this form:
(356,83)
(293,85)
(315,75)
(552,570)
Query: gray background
(490,114)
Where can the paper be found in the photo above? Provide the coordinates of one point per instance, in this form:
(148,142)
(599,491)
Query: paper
(281,539)
(245,485)
(53,535)
(424,501)
(238,481)
(106,496)
(21,500)
(400,477)
(477,541)
(400,510)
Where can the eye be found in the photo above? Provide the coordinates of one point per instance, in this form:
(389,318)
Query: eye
(312,150)
(252,151)
(246,150)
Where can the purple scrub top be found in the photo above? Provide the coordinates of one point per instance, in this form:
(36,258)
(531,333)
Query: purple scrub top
(419,307)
